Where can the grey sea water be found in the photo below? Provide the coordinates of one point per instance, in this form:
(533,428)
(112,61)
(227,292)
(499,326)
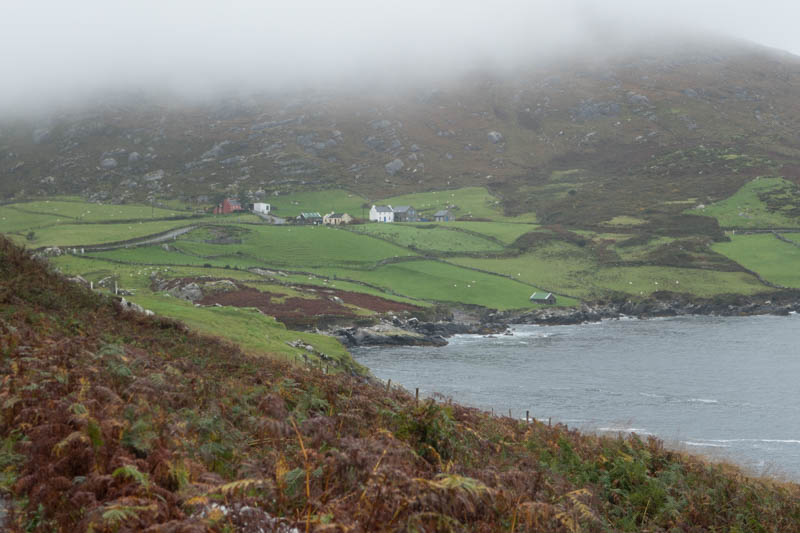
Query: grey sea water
(723,387)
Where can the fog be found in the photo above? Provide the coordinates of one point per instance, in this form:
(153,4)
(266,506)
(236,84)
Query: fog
(55,52)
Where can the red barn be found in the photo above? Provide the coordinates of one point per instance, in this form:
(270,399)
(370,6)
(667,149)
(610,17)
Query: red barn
(228,206)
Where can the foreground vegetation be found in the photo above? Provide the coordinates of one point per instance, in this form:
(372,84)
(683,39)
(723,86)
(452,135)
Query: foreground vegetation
(116,421)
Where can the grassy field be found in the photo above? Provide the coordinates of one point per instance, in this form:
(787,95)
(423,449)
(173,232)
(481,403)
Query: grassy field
(383,259)
(81,211)
(506,232)
(761,203)
(86,234)
(254,331)
(294,246)
(440,238)
(442,282)
(13,220)
(323,202)
(775,260)
(473,202)
(569,269)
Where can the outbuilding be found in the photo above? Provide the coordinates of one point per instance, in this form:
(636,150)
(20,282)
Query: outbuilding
(262,208)
(443,216)
(543,298)
(309,218)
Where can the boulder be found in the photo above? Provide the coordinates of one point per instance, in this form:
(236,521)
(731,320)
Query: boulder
(190,291)
(155,175)
(215,151)
(495,137)
(41,135)
(393,167)
(108,163)
(134,157)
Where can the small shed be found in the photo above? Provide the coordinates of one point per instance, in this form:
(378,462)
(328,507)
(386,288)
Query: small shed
(309,218)
(262,208)
(443,216)
(404,213)
(543,298)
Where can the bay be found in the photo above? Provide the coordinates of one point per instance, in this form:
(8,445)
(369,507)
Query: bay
(726,387)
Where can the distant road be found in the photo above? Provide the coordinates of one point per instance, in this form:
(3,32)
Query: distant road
(140,241)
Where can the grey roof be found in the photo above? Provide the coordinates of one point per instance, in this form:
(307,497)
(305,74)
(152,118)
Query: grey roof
(402,208)
(336,215)
(311,215)
(442,213)
(383,208)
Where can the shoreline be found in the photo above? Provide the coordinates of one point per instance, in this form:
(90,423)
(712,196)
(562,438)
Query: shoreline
(412,332)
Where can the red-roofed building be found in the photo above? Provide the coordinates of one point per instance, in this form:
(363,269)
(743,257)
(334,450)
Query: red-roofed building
(228,206)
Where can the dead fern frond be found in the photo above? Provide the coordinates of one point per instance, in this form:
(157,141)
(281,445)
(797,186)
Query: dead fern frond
(456,482)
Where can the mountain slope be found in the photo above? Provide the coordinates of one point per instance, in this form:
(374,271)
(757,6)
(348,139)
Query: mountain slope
(576,142)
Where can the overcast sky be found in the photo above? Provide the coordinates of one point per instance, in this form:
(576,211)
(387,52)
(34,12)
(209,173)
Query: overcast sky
(56,48)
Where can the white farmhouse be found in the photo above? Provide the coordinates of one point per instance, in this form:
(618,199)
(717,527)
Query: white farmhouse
(261,208)
(381,213)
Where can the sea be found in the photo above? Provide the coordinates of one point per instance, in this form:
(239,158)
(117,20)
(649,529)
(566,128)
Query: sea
(727,388)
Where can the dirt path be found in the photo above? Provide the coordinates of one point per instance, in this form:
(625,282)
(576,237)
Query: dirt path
(141,241)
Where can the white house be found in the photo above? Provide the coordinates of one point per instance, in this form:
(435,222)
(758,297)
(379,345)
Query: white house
(381,213)
(261,208)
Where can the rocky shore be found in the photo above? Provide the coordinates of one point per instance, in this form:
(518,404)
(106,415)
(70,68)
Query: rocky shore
(412,332)
(662,305)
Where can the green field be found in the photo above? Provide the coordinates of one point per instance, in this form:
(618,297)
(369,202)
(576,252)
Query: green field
(506,232)
(86,234)
(293,246)
(13,220)
(569,269)
(436,281)
(323,202)
(251,329)
(761,203)
(440,238)
(479,264)
(773,259)
(475,202)
(91,212)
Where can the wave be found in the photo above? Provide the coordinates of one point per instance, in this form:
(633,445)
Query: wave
(774,441)
(638,431)
(701,400)
(705,444)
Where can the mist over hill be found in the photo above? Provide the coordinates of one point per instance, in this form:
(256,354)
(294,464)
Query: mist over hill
(578,140)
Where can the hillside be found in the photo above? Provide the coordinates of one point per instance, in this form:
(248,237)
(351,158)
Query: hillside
(117,421)
(610,180)
(577,143)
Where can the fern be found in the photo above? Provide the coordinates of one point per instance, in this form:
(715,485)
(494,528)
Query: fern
(75,436)
(131,472)
(456,482)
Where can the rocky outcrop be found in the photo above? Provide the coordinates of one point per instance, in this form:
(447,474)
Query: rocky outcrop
(663,305)
(381,335)
(412,332)
(393,167)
